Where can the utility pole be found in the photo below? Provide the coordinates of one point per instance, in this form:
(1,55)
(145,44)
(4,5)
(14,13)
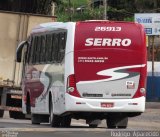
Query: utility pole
(105,4)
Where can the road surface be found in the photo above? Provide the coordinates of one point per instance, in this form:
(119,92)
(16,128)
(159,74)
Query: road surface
(146,125)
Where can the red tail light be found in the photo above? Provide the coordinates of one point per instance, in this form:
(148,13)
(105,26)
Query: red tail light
(71,86)
(142,84)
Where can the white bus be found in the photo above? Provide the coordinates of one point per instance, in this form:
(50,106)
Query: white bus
(90,70)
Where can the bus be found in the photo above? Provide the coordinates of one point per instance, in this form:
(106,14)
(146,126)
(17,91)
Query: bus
(91,70)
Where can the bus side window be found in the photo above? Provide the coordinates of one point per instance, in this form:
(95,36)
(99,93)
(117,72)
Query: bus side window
(45,49)
(42,52)
(62,44)
(36,49)
(53,47)
(49,48)
(29,50)
(57,41)
(33,49)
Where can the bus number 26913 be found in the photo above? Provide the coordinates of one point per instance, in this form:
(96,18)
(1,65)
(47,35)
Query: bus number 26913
(108,29)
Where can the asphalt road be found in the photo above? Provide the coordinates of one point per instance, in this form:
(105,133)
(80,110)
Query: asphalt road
(146,125)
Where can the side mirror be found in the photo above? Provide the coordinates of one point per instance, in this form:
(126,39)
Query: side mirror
(19,50)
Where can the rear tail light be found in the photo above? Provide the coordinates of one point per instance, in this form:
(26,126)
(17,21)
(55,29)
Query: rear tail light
(71,86)
(141,91)
(142,87)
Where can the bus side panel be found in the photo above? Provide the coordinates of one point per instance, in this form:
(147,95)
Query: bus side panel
(42,80)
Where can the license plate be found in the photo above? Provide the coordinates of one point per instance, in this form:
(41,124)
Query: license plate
(107,104)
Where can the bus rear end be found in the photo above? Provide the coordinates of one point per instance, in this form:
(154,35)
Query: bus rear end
(109,69)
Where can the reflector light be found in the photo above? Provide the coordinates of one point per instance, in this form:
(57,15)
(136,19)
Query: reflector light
(143,90)
(132,103)
(78,103)
(70,89)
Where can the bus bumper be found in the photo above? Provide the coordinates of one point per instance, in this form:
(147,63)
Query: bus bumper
(104,105)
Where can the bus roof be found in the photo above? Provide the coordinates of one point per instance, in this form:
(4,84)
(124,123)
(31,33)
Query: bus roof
(44,27)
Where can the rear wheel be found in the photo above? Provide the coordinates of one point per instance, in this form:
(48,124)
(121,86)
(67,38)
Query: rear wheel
(35,119)
(111,123)
(54,119)
(1,113)
(66,121)
(28,105)
(16,115)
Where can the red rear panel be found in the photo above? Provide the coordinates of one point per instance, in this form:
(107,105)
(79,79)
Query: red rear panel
(109,59)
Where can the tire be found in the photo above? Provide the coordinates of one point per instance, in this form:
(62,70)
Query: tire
(16,115)
(35,119)
(28,105)
(93,125)
(66,121)
(111,123)
(54,119)
(1,113)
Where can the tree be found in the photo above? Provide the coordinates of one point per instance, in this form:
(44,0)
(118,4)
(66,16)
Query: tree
(65,11)
(125,9)
(117,9)
(28,6)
